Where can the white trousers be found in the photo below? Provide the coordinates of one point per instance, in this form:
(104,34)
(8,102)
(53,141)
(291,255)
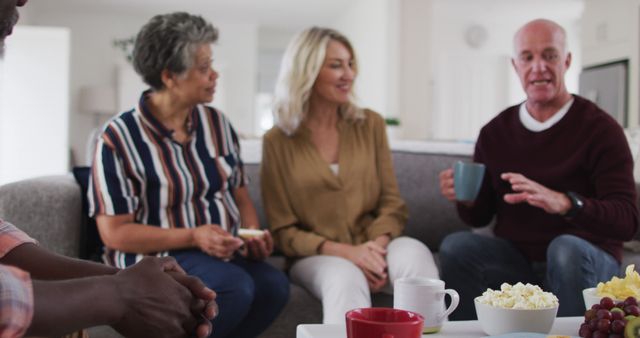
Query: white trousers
(342,286)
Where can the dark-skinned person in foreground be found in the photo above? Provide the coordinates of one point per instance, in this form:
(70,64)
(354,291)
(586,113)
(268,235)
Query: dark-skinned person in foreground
(46,294)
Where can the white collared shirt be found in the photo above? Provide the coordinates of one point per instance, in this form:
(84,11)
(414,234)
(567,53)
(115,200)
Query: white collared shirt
(536,126)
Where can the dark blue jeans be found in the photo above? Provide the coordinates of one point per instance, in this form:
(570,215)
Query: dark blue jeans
(251,294)
(471,263)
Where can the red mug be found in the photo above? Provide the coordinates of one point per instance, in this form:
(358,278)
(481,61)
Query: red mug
(383,323)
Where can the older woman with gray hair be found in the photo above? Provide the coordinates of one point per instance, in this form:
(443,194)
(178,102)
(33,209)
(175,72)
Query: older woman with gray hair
(167,179)
(328,185)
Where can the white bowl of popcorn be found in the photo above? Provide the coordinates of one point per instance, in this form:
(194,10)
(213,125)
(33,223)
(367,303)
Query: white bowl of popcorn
(516,308)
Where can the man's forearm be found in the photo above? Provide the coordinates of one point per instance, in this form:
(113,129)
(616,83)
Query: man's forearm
(61,307)
(45,265)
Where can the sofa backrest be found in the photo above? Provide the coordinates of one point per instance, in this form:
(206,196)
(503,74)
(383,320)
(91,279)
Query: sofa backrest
(49,209)
(431,216)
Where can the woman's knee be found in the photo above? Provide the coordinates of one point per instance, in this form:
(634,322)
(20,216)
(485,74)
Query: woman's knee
(238,287)
(275,285)
(409,257)
(346,275)
(408,244)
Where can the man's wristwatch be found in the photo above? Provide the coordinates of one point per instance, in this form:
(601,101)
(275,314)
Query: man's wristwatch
(576,204)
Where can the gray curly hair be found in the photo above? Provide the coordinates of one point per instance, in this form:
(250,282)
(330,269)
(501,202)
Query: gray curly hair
(170,41)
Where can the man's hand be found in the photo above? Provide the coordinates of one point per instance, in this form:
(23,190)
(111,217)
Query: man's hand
(535,194)
(153,304)
(447,185)
(260,247)
(215,241)
(203,306)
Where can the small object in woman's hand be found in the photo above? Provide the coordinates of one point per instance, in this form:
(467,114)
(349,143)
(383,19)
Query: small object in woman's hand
(250,233)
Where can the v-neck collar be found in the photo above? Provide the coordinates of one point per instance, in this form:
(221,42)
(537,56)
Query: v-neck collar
(321,166)
(157,126)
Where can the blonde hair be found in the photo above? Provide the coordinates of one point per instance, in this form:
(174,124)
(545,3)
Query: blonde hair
(300,67)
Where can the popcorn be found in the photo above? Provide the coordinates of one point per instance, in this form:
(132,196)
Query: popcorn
(621,288)
(519,296)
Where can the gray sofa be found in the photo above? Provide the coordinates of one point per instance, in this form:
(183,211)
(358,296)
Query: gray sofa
(49,209)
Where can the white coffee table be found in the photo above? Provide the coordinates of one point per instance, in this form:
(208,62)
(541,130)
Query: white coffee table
(567,326)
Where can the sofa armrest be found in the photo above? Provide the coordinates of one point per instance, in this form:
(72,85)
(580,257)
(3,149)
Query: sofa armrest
(49,209)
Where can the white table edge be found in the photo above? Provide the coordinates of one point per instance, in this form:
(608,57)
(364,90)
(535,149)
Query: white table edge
(567,326)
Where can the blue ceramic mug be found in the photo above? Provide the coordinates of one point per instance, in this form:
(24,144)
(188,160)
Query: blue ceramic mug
(467,180)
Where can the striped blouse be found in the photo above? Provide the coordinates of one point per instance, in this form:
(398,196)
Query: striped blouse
(140,169)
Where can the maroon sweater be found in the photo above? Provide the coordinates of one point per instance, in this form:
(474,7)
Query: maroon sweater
(585,152)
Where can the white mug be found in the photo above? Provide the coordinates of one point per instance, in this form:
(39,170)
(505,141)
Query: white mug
(426,297)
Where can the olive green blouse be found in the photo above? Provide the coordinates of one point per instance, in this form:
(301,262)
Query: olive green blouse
(306,203)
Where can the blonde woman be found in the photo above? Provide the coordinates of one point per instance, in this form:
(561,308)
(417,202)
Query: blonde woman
(328,185)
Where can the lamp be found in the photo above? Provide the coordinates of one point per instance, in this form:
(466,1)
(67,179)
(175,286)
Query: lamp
(98,101)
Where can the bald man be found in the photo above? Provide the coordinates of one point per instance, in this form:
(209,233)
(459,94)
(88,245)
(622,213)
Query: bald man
(558,181)
(44,294)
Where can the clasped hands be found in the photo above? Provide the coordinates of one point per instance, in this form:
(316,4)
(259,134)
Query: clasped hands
(158,299)
(524,191)
(217,242)
(370,257)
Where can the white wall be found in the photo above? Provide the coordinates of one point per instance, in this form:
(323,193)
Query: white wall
(237,56)
(371,26)
(451,89)
(611,32)
(415,86)
(94,61)
(34,103)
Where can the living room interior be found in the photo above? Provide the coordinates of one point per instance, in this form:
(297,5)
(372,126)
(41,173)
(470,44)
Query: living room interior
(440,67)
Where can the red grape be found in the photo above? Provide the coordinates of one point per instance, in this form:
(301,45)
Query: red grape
(584,331)
(617,326)
(630,301)
(603,325)
(607,303)
(616,315)
(593,324)
(633,310)
(590,314)
(603,314)
(610,320)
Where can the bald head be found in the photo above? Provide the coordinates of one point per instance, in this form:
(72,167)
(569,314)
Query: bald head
(540,27)
(541,60)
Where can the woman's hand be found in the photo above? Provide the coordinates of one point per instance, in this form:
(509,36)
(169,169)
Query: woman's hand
(215,241)
(260,247)
(383,241)
(370,258)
